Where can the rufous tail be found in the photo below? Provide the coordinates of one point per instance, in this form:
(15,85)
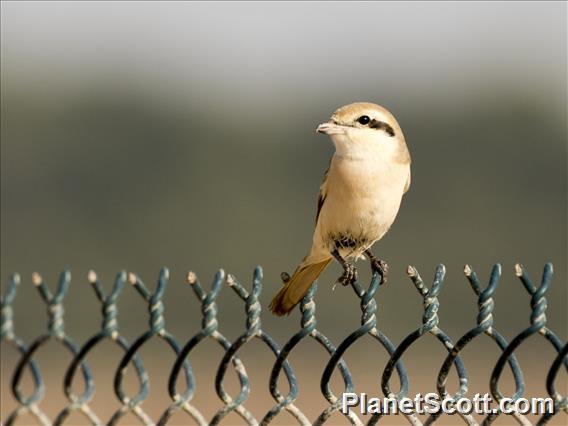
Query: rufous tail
(297,287)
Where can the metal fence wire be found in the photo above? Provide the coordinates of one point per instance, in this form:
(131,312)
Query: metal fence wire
(182,399)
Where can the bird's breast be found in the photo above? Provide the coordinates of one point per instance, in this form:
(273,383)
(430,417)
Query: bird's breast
(363,198)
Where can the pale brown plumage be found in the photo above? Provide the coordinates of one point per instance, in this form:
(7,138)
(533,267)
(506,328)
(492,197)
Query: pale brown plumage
(359,197)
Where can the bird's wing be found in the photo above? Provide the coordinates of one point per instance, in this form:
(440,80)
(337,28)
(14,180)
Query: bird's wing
(322,193)
(407,184)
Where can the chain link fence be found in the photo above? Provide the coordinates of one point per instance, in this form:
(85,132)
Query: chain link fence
(181,399)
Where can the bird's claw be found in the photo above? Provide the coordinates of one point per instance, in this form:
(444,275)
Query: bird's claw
(381,267)
(350,275)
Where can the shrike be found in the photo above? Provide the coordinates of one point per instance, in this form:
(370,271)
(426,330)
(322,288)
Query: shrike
(358,200)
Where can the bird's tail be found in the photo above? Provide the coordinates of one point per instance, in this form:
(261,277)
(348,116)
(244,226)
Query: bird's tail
(296,288)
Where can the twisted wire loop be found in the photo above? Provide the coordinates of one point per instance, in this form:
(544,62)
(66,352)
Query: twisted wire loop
(157,328)
(429,325)
(109,330)
(209,329)
(368,326)
(253,330)
(485,306)
(538,325)
(308,328)
(8,334)
(56,330)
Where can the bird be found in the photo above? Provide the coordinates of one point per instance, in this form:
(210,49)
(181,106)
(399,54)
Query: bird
(358,201)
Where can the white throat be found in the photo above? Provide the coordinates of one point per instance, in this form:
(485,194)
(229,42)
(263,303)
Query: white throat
(356,144)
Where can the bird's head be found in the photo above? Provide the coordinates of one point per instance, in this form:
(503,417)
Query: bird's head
(362,129)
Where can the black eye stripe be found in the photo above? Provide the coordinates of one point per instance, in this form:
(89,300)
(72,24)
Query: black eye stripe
(381,125)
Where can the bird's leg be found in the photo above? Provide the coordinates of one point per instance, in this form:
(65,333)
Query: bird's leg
(349,271)
(378,265)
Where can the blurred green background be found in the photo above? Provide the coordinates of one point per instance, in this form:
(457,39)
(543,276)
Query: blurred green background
(137,135)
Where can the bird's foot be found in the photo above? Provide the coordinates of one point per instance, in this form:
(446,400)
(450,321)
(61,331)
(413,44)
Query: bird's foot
(381,267)
(349,276)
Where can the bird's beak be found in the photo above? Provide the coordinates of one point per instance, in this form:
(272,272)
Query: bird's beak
(330,128)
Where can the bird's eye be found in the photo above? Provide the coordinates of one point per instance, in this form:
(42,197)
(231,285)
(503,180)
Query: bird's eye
(364,120)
